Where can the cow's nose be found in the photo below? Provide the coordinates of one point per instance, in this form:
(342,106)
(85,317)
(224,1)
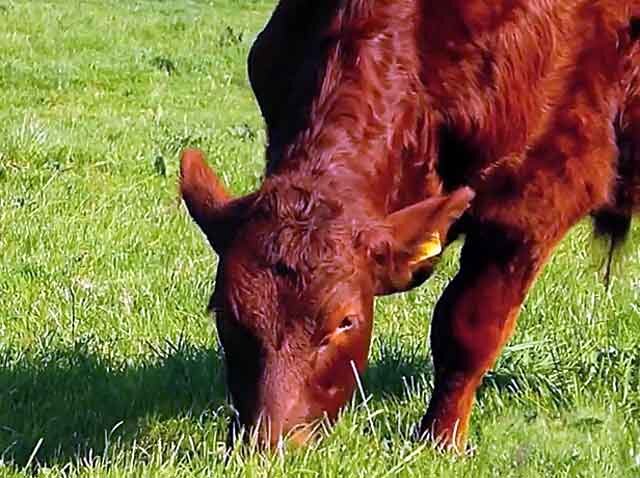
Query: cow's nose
(301,435)
(290,424)
(277,435)
(268,431)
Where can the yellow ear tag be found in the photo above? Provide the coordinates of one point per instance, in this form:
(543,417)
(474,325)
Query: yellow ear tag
(428,249)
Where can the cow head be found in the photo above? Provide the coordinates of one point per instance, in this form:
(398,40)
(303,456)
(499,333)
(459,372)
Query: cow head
(296,280)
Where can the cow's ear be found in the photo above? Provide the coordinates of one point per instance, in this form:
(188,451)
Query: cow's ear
(208,202)
(417,234)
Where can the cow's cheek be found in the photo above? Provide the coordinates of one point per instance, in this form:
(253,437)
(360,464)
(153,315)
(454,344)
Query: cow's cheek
(335,373)
(334,387)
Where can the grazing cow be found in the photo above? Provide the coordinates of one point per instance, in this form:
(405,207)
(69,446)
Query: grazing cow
(383,118)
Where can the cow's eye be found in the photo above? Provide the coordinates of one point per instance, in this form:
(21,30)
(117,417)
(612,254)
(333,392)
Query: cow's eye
(347,323)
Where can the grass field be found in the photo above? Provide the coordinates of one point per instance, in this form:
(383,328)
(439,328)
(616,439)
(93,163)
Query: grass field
(109,365)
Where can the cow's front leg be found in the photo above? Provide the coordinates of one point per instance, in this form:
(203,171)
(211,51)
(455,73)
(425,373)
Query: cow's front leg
(473,320)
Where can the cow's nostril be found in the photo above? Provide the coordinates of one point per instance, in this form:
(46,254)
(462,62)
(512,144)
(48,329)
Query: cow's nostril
(635,28)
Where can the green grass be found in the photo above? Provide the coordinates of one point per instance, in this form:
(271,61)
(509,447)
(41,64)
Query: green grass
(109,365)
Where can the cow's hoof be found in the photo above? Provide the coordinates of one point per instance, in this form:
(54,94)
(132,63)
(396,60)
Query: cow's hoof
(447,440)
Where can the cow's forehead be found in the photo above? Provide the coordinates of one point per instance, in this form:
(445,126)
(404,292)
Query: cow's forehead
(266,294)
(301,247)
(302,276)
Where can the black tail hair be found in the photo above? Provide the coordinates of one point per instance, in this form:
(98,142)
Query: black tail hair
(613,222)
(613,226)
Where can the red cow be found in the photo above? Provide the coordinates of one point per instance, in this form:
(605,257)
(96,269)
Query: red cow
(381,115)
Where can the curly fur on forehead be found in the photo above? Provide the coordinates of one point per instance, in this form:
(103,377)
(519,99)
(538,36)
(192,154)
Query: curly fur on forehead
(301,229)
(295,199)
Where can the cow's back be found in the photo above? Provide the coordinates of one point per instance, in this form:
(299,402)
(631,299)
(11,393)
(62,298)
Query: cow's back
(500,79)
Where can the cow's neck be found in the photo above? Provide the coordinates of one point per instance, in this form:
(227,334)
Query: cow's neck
(367,126)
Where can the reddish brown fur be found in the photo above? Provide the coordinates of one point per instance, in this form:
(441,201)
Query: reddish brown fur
(375,105)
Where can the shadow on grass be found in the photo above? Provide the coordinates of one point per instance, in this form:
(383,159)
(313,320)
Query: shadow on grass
(400,370)
(396,369)
(72,399)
